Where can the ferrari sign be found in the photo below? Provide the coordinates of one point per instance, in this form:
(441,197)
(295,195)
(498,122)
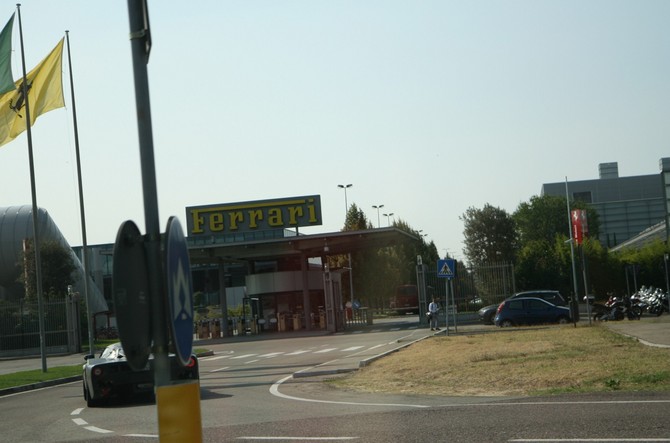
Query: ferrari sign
(580,225)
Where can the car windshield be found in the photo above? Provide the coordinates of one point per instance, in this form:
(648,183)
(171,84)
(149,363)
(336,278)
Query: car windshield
(112,352)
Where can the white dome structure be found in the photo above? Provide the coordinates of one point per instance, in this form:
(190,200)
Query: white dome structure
(16,224)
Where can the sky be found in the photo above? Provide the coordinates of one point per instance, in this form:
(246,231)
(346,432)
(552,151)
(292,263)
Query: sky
(426,107)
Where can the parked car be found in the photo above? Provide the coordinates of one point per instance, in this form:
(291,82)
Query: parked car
(530,311)
(110,376)
(487,313)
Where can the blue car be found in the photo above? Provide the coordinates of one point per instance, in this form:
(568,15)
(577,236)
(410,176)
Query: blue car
(530,311)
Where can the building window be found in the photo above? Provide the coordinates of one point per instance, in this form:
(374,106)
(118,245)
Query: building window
(582,196)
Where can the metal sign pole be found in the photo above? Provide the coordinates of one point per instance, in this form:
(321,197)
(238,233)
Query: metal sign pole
(453,303)
(446,306)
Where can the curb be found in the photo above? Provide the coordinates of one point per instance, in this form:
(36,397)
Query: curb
(361,363)
(40,385)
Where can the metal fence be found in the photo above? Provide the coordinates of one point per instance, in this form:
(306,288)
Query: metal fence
(20,330)
(474,287)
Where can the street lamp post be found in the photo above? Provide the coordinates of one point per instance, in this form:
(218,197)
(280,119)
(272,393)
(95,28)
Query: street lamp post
(351,271)
(346,204)
(390,214)
(378,207)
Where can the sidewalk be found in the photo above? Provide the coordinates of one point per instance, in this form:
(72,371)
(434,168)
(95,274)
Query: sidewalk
(651,331)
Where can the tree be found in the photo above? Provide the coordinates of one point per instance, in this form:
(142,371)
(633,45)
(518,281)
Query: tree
(543,218)
(644,266)
(408,251)
(57,271)
(490,235)
(376,273)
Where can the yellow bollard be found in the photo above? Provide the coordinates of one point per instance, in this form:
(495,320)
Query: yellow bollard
(179,418)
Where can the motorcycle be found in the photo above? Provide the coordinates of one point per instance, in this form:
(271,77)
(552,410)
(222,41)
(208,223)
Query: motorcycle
(616,309)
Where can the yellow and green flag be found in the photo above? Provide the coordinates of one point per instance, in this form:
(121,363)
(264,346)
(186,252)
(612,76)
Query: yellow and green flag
(45,93)
(6,79)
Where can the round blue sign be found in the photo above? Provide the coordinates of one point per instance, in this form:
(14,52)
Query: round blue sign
(179,290)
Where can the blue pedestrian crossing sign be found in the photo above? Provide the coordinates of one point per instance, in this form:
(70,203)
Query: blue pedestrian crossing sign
(446,268)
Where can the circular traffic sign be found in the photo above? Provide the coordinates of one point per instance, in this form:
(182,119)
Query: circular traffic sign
(130,289)
(179,290)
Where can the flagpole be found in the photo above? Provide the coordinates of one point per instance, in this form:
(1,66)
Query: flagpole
(575,297)
(38,260)
(89,313)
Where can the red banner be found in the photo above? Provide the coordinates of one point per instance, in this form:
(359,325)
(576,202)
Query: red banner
(580,225)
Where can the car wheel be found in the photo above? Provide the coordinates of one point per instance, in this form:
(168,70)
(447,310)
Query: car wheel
(636,312)
(506,323)
(562,321)
(492,319)
(91,403)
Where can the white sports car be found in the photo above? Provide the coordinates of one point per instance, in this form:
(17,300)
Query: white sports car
(110,376)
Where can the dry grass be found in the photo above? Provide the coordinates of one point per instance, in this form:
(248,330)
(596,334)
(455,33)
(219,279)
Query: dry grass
(532,361)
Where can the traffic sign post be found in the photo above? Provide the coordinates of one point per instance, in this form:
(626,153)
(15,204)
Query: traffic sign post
(175,423)
(447,269)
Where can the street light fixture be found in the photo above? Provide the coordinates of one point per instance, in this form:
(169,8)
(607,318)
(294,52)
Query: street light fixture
(346,204)
(378,207)
(390,214)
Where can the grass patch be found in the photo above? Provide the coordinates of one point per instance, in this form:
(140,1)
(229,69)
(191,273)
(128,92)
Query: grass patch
(529,361)
(37,376)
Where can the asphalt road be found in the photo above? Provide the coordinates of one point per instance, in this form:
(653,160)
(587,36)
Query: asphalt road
(249,393)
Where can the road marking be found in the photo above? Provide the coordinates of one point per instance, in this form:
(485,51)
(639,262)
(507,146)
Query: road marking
(323,351)
(250,361)
(220,369)
(375,347)
(242,356)
(352,348)
(270,355)
(82,422)
(274,390)
(141,435)
(77,411)
(218,357)
(297,352)
(99,430)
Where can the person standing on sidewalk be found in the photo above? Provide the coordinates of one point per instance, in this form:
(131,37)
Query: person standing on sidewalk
(433,309)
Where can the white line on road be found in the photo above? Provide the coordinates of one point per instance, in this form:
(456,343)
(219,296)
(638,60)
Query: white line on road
(323,351)
(242,356)
(99,430)
(274,390)
(297,352)
(79,421)
(270,355)
(220,369)
(218,357)
(352,348)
